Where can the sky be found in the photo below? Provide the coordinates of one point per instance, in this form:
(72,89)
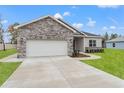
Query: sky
(96,19)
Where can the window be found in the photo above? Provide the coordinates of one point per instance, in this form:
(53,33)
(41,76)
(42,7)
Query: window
(113,44)
(92,43)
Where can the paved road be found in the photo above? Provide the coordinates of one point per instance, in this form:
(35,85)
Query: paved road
(63,72)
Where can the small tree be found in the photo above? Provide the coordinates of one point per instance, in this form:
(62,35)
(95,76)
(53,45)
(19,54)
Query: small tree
(106,36)
(2,34)
(113,36)
(0,37)
(13,33)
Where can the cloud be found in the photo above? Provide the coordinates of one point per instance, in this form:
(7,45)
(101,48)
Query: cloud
(78,25)
(112,27)
(4,21)
(58,16)
(109,28)
(105,28)
(108,6)
(91,23)
(66,14)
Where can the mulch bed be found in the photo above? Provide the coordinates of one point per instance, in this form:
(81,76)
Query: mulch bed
(80,55)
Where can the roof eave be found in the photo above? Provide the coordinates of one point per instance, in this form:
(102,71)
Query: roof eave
(95,36)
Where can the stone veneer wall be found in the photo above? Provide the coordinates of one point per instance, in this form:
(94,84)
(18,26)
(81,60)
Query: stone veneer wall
(45,29)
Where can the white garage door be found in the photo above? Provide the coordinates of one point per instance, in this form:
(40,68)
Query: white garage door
(45,48)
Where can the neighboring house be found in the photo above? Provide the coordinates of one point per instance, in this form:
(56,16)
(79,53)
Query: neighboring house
(115,43)
(48,36)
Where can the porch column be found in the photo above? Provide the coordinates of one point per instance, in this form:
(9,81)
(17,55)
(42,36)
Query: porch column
(84,44)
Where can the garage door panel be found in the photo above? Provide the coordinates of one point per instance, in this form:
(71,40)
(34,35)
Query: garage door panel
(45,48)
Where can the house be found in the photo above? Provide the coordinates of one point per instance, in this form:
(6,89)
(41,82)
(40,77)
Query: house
(115,43)
(48,36)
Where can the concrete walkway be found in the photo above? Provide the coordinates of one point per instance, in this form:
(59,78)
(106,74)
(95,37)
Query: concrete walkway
(12,58)
(90,57)
(63,72)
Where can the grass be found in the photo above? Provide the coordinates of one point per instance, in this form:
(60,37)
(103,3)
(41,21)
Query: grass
(112,61)
(7,53)
(6,69)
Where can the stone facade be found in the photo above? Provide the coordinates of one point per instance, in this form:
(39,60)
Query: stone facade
(44,29)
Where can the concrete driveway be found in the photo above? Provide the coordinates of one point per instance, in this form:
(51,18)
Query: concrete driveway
(63,72)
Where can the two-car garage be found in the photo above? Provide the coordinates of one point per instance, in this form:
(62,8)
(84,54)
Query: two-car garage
(39,48)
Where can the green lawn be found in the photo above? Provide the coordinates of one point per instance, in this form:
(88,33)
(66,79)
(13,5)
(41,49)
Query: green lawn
(6,69)
(112,61)
(7,53)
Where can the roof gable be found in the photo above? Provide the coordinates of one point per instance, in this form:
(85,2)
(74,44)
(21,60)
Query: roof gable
(21,25)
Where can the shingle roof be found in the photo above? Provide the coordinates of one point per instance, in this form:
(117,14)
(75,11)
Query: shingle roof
(81,32)
(119,39)
(78,32)
(90,34)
